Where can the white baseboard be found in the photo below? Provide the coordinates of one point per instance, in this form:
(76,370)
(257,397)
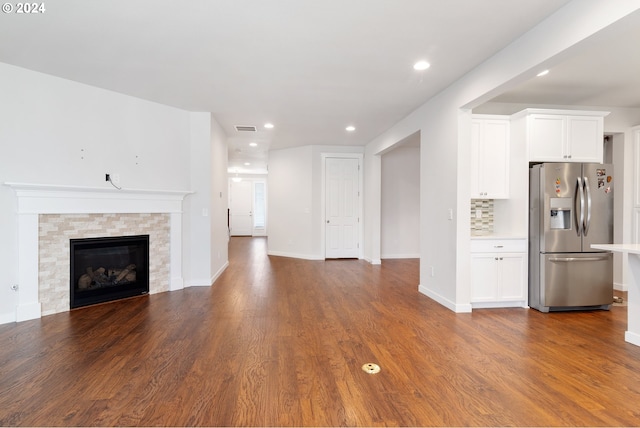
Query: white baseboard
(631,337)
(177,283)
(197,282)
(455,307)
(206,282)
(7,318)
(620,287)
(492,305)
(294,255)
(215,277)
(400,256)
(30,311)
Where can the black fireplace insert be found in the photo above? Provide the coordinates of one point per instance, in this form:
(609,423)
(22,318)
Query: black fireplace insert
(110,268)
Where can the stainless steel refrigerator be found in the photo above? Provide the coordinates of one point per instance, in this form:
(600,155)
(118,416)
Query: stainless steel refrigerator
(570,208)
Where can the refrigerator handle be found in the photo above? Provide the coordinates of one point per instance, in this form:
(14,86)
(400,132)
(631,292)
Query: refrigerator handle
(578,259)
(580,216)
(587,221)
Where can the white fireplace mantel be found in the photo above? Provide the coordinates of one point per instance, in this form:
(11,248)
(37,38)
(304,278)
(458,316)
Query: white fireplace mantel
(57,199)
(36,199)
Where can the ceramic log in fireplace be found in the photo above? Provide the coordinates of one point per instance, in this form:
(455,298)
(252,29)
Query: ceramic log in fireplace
(106,269)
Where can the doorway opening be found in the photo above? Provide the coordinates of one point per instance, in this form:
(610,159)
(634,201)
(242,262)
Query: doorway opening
(247,207)
(400,200)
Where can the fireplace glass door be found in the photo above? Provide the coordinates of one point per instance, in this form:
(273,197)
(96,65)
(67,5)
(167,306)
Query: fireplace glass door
(110,268)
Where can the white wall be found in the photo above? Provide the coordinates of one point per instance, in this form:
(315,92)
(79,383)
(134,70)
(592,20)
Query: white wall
(400,203)
(511,216)
(219,201)
(196,223)
(437,122)
(294,206)
(290,203)
(444,123)
(56,131)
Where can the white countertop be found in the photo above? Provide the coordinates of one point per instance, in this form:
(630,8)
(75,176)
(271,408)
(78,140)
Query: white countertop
(632,335)
(618,248)
(497,236)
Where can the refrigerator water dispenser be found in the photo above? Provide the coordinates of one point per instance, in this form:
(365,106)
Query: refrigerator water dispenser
(560,213)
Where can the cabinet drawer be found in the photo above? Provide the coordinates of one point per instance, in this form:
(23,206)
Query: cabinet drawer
(499,245)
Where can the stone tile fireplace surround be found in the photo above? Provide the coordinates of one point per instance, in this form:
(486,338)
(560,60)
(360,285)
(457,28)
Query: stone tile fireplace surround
(55,231)
(49,216)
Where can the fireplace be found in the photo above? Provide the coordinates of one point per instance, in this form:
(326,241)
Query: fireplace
(109,268)
(50,215)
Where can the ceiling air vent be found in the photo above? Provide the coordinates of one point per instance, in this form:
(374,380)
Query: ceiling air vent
(242,128)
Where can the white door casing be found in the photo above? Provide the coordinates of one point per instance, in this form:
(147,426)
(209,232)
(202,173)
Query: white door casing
(342,207)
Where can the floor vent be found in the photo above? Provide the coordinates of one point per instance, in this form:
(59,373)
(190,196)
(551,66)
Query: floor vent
(244,128)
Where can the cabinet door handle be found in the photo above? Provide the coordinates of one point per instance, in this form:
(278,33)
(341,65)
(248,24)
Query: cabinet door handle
(498,246)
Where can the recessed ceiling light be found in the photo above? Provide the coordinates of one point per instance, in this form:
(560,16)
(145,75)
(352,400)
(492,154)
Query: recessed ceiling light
(253,144)
(247,163)
(268,125)
(543,73)
(350,128)
(421,65)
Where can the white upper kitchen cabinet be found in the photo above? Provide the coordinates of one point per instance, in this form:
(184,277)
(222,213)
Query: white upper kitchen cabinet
(490,157)
(563,135)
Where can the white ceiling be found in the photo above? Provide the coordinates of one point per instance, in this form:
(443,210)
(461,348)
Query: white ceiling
(604,71)
(311,67)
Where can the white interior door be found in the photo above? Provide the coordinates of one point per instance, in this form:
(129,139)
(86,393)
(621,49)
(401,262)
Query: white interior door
(342,208)
(240,208)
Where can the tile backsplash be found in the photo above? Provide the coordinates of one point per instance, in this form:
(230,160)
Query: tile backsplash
(483,224)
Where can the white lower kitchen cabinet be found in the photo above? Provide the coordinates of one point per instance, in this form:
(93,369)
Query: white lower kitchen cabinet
(499,273)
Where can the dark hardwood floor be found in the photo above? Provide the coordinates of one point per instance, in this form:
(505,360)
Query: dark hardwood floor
(281,342)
